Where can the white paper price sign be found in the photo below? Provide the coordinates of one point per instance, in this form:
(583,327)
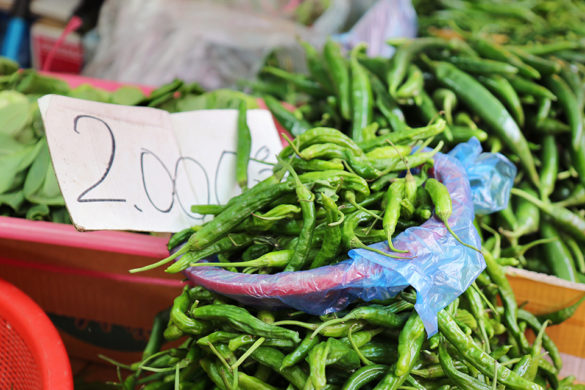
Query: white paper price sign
(140,168)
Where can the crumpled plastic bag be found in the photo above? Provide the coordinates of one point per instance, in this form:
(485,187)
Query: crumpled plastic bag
(491,176)
(218,43)
(440,269)
(385,19)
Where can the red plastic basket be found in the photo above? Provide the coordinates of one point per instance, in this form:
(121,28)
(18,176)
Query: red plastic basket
(32,355)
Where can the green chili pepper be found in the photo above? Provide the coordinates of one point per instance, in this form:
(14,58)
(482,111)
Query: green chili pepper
(550,166)
(482,66)
(361,99)
(156,334)
(301,82)
(535,355)
(409,344)
(364,375)
(388,152)
(330,245)
(317,362)
(413,85)
(387,106)
(459,378)
(324,150)
(180,319)
(403,56)
(409,135)
(542,65)
(488,108)
(205,209)
(502,88)
(272,358)
(479,359)
(317,165)
(374,314)
(286,118)
(377,65)
(243,148)
(493,51)
(547,342)
(180,237)
(362,166)
(341,355)
(247,382)
(568,221)
(447,100)
(498,275)
(219,336)
(570,74)
(543,111)
(464,134)
(321,135)
(307,202)
(240,319)
(571,107)
(339,73)
(576,198)
(527,87)
(552,47)
(564,314)
(552,126)
(391,205)
(316,66)
(276,259)
(300,352)
(231,241)
(443,205)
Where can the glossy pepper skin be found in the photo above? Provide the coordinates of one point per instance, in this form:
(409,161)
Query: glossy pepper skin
(409,344)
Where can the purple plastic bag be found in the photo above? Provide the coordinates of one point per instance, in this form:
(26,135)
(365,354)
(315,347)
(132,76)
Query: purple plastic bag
(440,269)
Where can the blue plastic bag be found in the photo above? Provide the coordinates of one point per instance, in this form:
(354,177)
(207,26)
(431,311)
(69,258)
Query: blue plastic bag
(440,268)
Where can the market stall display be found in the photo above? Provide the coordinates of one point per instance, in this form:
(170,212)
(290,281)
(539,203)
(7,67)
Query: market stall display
(358,263)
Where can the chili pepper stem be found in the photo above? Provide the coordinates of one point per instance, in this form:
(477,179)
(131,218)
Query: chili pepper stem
(459,239)
(164,261)
(329,323)
(246,354)
(361,245)
(364,360)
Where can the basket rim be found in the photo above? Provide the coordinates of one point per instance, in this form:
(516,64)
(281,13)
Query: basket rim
(40,335)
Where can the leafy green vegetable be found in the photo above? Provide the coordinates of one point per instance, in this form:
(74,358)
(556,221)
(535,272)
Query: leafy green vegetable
(14,112)
(128,96)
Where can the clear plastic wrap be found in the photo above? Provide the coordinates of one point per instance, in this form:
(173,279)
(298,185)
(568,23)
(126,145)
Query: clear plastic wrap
(218,43)
(384,20)
(440,269)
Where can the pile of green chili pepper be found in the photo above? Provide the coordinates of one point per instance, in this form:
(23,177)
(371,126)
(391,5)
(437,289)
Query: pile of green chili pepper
(375,345)
(339,195)
(516,22)
(524,99)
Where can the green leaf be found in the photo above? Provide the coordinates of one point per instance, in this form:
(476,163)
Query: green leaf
(87,92)
(14,158)
(127,96)
(12,199)
(41,184)
(7,66)
(38,212)
(32,82)
(218,99)
(60,215)
(14,112)
(37,172)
